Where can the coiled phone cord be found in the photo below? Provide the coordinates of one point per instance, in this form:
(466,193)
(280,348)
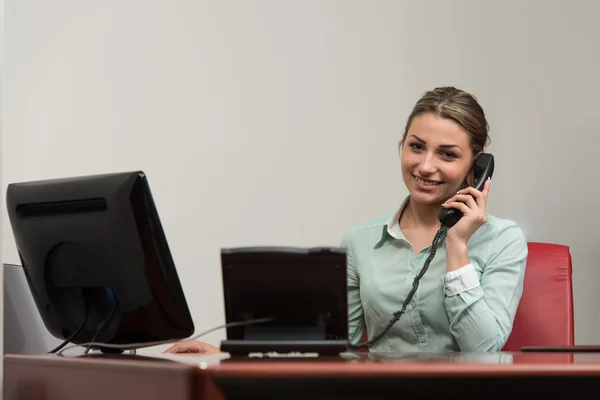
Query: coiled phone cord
(415,285)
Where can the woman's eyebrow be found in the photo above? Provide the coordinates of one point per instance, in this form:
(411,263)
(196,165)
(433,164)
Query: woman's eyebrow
(443,146)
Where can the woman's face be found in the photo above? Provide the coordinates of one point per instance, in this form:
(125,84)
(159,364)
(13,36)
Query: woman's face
(436,157)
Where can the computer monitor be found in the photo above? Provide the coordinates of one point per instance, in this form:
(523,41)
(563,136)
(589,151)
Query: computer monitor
(302,290)
(97,261)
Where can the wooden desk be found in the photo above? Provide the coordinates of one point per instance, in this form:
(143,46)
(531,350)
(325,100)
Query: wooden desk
(358,376)
(50,377)
(445,376)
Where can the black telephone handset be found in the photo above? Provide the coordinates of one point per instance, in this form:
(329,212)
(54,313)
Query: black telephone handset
(483,169)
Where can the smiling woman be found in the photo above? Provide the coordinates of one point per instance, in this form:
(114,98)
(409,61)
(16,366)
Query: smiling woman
(468,299)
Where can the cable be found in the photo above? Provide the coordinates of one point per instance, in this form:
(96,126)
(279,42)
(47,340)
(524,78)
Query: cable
(102,325)
(67,340)
(161,342)
(398,314)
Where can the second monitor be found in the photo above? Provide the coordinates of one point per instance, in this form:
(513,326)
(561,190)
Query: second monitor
(302,290)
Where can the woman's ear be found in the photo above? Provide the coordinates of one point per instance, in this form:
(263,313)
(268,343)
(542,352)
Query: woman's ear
(470,178)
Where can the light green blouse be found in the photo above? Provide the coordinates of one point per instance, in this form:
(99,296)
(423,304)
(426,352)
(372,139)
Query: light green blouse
(471,309)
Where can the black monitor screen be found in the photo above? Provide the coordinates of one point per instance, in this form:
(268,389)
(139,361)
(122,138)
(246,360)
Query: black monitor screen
(303,291)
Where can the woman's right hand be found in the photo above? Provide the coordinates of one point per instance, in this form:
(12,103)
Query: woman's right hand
(193,347)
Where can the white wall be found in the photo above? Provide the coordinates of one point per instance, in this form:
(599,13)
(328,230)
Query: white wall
(277,122)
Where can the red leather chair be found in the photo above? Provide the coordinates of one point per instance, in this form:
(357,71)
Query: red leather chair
(545,313)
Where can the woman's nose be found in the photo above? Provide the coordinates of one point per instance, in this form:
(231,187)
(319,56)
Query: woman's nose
(427,165)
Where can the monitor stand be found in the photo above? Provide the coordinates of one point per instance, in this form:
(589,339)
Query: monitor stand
(284,339)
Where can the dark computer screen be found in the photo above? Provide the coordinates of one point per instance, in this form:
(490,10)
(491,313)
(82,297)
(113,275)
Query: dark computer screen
(303,291)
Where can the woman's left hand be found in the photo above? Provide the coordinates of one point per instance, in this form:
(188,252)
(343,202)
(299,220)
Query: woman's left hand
(472,203)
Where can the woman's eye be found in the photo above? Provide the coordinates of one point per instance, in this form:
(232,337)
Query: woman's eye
(415,146)
(448,154)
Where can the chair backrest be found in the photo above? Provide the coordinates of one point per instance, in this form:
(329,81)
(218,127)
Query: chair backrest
(545,313)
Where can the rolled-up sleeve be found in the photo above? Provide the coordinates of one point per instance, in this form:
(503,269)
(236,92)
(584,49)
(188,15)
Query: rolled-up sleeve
(481,310)
(356,322)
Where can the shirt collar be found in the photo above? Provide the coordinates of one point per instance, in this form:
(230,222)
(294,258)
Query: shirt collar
(392,226)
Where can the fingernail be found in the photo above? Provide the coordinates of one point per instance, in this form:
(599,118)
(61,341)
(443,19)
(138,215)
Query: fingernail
(459,192)
(489,178)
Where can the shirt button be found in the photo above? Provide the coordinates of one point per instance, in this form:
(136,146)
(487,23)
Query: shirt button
(413,304)
(423,339)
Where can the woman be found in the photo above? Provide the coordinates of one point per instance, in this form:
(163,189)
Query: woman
(468,297)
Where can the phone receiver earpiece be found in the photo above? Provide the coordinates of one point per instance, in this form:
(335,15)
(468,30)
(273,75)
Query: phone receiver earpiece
(482,169)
